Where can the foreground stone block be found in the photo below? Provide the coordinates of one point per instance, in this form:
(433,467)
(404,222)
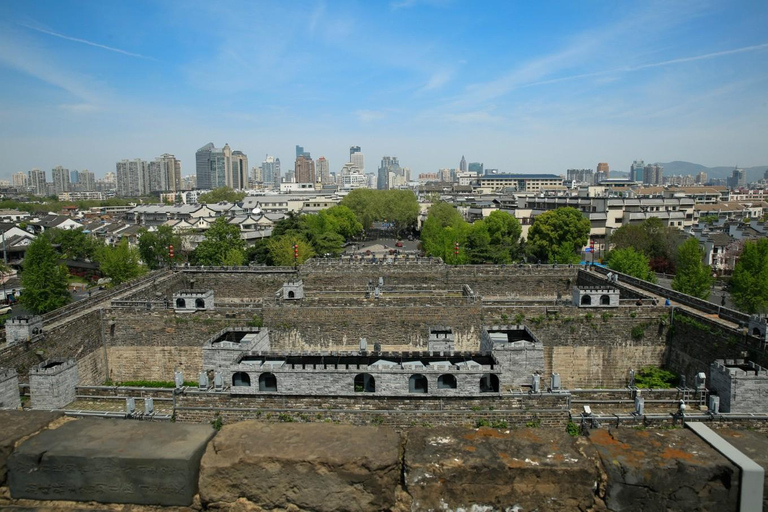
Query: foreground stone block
(17,425)
(312,466)
(111,461)
(664,470)
(752,444)
(490,469)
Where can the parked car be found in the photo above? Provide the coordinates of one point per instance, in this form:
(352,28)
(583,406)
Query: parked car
(5,309)
(399,244)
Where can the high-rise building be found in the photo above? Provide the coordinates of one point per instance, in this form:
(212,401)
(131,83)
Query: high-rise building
(388,171)
(216,167)
(74,176)
(738,178)
(87,181)
(637,171)
(239,170)
(701,178)
(357,158)
(299,150)
(305,169)
(37,182)
(256,175)
(476,167)
(653,174)
(60,177)
(603,167)
(463,164)
(580,175)
(20,180)
(322,171)
(133,178)
(270,172)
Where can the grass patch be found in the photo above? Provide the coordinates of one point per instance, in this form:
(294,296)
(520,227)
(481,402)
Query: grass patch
(654,377)
(572,429)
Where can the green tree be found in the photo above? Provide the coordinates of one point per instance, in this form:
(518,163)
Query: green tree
(221,194)
(631,262)
(400,207)
(281,250)
(233,258)
(749,283)
(75,244)
(692,276)
(43,278)
(557,235)
(652,238)
(153,247)
(120,263)
(219,239)
(442,229)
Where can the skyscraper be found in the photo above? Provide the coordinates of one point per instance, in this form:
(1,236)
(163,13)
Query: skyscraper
(37,182)
(357,158)
(738,178)
(215,168)
(270,172)
(87,181)
(239,170)
(20,180)
(463,164)
(299,150)
(74,177)
(322,170)
(133,178)
(388,171)
(653,174)
(305,169)
(60,177)
(637,171)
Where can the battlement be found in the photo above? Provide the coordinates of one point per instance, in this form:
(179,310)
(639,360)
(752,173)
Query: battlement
(187,301)
(596,297)
(52,367)
(739,368)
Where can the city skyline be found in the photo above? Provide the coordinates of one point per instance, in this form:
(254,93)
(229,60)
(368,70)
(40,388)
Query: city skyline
(521,88)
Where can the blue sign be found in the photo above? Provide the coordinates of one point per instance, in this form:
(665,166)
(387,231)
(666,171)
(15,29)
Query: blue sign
(589,249)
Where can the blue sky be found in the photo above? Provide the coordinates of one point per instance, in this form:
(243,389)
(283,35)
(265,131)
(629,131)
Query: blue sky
(521,86)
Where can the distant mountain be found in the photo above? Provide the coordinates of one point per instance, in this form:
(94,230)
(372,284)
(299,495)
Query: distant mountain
(683,168)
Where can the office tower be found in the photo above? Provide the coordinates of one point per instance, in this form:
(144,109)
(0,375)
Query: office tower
(299,150)
(20,180)
(357,158)
(270,171)
(463,164)
(133,178)
(389,170)
(637,171)
(214,167)
(256,175)
(239,170)
(74,177)
(60,177)
(87,181)
(738,178)
(322,171)
(305,169)
(476,167)
(603,167)
(701,178)
(580,175)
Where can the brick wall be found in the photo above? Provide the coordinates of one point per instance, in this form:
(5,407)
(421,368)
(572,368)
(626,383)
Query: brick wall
(153,363)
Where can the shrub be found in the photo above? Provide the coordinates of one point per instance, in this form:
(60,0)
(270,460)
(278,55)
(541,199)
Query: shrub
(637,332)
(654,377)
(482,422)
(572,429)
(499,424)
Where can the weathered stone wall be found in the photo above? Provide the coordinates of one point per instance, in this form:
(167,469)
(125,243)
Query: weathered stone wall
(52,384)
(297,328)
(79,338)
(9,389)
(153,363)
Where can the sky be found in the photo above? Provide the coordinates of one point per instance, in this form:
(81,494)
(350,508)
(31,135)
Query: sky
(535,87)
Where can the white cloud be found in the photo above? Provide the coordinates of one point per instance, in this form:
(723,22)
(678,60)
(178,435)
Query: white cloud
(84,41)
